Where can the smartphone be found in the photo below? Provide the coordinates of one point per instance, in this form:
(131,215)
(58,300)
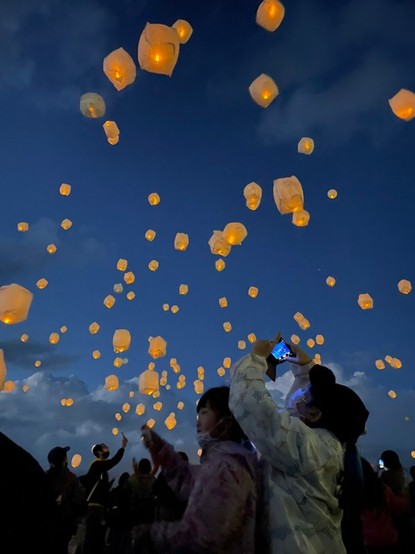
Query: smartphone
(281,351)
(381,464)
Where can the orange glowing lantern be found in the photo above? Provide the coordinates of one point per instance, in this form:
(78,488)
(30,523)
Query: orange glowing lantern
(253,195)
(181,241)
(157,347)
(24,337)
(263,90)
(174,309)
(153,199)
(15,302)
(184,30)
(148,382)
(392,394)
(65,189)
(365,301)
(288,195)
(121,340)
(140,409)
(118,288)
(112,132)
(76,460)
(22,227)
(234,233)
(122,264)
(330,281)
(221,372)
(319,340)
(270,14)
(252,337)
(218,244)
(253,292)
(198,386)
(220,264)
(183,290)
(66,224)
(227,326)
(111,383)
(150,235)
(94,328)
(153,265)
(223,302)
(109,301)
(120,68)
(404,286)
(54,338)
(306,146)
(129,277)
(158,49)
(295,339)
(301,218)
(96,354)
(92,105)
(332,194)
(130,295)
(379,364)
(403,104)
(51,248)
(241,344)
(42,283)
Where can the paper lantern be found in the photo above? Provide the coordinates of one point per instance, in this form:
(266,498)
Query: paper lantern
(3,370)
(253,292)
(24,337)
(298,317)
(379,364)
(22,227)
(66,224)
(220,265)
(183,290)
(140,409)
(38,363)
(109,301)
(115,431)
(317,359)
(9,386)
(158,406)
(227,326)
(223,302)
(174,309)
(54,338)
(122,264)
(388,359)
(92,105)
(157,347)
(319,339)
(396,363)
(158,49)
(121,340)
(403,104)
(252,337)
(126,407)
(304,324)
(330,281)
(69,402)
(170,421)
(201,373)
(153,265)
(184,30)
(301,218)
(311,343)
(117,362)
(120,68)
(148,382)
(76,460)
(392,394)
(180,405)
(253,195)
(111,132)
(241,344)
(269,14)
(130,295)
(42,283)
(51,248)
(118,288)
(151,422)
(63,329)
(288,195)
(129,277)
(166,307)
(153,199)
(332,194)
(365,301)
(131,394)
(111,383)
(306,146)
(295,339)
(15,302)
(404,286)
(198,386)
(227,362)
(181,241)
(65,189)
(96,354)
(218,244)
(221,372)
(234,233)
(263,90)
(94,328)
(25,388)
(150,235)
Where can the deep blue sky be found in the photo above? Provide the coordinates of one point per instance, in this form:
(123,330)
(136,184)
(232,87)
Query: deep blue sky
(197,139)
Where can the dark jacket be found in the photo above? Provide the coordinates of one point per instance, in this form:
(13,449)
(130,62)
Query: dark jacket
(98,472)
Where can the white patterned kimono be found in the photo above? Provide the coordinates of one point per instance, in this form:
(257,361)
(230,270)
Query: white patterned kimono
(304,466)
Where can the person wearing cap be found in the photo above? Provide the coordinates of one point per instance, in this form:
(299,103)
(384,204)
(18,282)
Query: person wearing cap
(303,446)
(68,499)
(98,495)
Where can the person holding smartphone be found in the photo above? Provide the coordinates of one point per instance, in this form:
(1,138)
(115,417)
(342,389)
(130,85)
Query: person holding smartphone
(304,452)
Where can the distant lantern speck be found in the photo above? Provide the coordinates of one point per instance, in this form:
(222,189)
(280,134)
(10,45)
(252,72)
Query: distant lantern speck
(51,248)
(253,196)
(153,265)
(305,146)
(330,281)
(66,224)
(220,264)
(92,105)
(122,264)
(365,301)
(332,194)
(65,189)
(42,283)
(22,226)
(263,90)
(404,286)
(181,241)
(150,235)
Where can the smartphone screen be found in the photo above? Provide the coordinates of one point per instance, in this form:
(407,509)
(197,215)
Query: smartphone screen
(381,464)
(281,350)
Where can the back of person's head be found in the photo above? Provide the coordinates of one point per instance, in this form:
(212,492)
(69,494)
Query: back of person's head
(342,410)
(217,399)
(57,455)
(123,478)
(185,457)
(144,466)
(391,460)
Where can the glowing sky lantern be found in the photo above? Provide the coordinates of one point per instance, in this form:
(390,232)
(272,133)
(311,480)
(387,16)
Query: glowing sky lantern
(365,301)
(109,301)
(227,326)
(180,405)
(130,295)
(404,286)
(263,90)
(25,388)
(319,340)
(183,289)
(301,218)
(42,283)
(305,146)
(24,337)
(311,343)
(120,68)
(22,226)
(150,235)
(76,460)
(111,383)
(253,292)
(223,302)
(121,340)
(241,344)
(153,199)
(94,328)
(51,248)
(140,409)
(148,382)
(288,195)
(181,241)
(63,329)
(234,233)
(174,309)
(158,49)
(388,359)
(270,14)
(92,105)
(379,364)
(158,406)
(151,422)
(96,354)
(153,265)
(157,347)
(115,431)
(304,324)
(66,224)
(118,288)
(112,132)
(69,402)
(38,363)
(15,302)
(9,386)
(227,362)
(251,337)
(253,195)
(330,281)
(184,30)
(126,407)
(403,104)
(220,264)
(166,307)
(3,370)
(332,194)
(65,189)
(117,362)
(129,277)
(198,386)
(54,338)
(298,317)
(392,394)
(396,363)
(170,421)
(295,339)
(218,245)
(221,372)
(122,264)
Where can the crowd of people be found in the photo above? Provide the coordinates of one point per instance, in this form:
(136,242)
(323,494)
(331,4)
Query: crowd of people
(271,479)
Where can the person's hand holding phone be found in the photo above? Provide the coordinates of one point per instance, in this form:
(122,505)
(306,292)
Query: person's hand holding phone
(300,358)
(263,347)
